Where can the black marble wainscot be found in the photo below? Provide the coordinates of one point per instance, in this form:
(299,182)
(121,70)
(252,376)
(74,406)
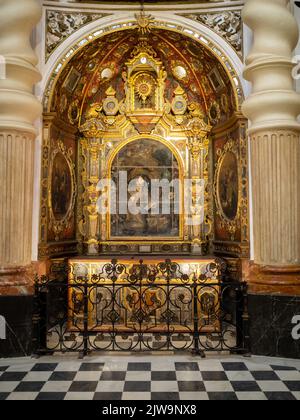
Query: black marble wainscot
(271,325)
(17,311)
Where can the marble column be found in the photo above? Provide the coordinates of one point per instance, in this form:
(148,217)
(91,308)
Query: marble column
(18,110)
(272,109)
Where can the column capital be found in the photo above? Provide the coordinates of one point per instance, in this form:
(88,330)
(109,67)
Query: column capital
(19,108)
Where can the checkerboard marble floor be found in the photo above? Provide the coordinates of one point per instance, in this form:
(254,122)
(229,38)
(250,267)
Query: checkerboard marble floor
(140,377)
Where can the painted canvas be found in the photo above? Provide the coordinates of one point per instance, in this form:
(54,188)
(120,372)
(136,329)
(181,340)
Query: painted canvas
(144,161)
(228,186)
(61,187)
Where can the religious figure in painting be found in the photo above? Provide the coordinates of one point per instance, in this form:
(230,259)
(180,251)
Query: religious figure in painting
(229,186)
(61,187)
(145,161)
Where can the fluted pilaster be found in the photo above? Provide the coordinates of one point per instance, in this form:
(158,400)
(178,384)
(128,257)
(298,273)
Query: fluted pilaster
(273,108)
(18,110)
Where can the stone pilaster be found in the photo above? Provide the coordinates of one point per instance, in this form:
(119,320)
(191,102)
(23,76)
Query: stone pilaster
(18,111)
(272,109)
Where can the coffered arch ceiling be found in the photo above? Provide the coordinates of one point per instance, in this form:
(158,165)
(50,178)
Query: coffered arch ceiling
(188,64)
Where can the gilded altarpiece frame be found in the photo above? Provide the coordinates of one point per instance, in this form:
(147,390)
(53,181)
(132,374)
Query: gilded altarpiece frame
(58,190)
(144,113)
(231,189)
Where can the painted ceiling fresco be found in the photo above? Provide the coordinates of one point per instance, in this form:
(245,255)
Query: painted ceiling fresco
(100,65)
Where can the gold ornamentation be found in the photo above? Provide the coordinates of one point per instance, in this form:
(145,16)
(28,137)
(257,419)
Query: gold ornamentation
(144,86)
(59,225)
(93,111)
(228,195)
(144,23)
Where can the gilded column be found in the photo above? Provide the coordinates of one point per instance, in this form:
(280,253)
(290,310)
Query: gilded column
(198,145)
(18,111)
(272,109)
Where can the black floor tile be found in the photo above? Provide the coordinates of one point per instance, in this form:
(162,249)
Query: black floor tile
(282,368)
(190,367)
(214,376)
(29,387)
(222,396)
(44,367)
(164,376)
(265,376)
(108,396)
(132,386)
(139,367)
(293,385)
(83,386)
(280,396)
(3,396)
(91,367)
(3,368)
(191,386)
(235,367)
(50,396)
(244,386)
(165,396)
(12,376)
(113,376)
(62,376)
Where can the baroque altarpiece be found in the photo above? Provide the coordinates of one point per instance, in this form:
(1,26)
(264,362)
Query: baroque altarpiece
(158,105)
(155,104)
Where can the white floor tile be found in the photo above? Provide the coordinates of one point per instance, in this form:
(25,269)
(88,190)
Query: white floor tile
(37,377)
(136,396)
(20,368)
(218,386)
(251,396)
(8,386)
(57,386)
(138,376)
(194,396)
(272,386)
(167,386)
(113,386)
(88,376)
(239,376)
(78,396)
(22,396)
(288,375)
(188,376)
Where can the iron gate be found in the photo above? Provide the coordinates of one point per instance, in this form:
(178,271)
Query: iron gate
(146,308)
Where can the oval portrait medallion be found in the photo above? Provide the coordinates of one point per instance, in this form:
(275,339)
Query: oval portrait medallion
(228,186)
(61,187)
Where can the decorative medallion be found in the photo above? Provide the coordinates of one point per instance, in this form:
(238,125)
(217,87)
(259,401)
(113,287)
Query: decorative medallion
(111,103)
(74,112)
(180,72)
(214,112)
(144,22)
(226,186)
(144,86)
(61,190)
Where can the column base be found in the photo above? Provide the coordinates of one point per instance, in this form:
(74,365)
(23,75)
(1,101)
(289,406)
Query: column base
(271,325)
(16,306)
(274,299)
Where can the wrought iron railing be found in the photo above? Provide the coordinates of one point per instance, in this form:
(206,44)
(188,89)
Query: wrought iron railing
(142,308)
